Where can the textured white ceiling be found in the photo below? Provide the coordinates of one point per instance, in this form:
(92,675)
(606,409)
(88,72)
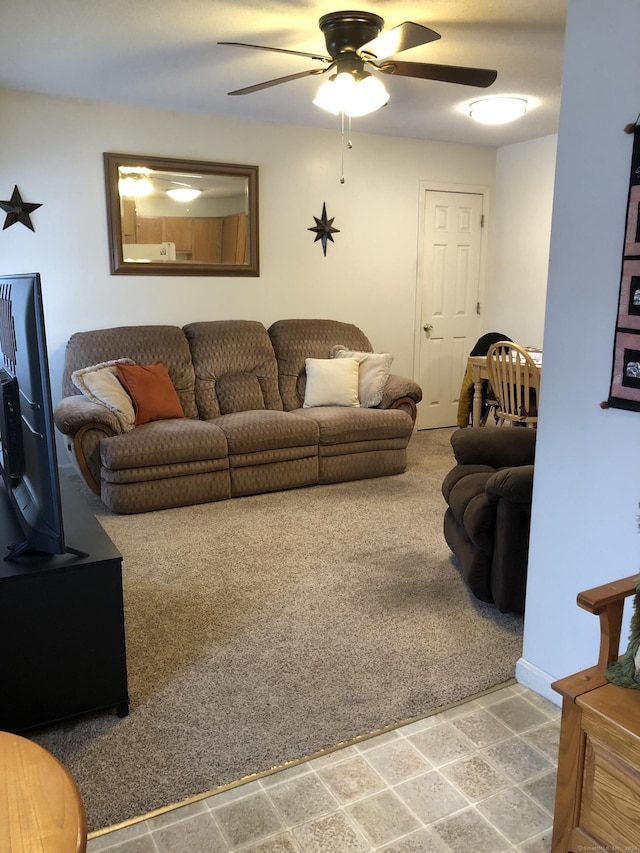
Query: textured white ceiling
(164,53)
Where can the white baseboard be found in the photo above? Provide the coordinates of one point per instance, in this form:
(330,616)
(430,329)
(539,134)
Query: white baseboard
(537,680)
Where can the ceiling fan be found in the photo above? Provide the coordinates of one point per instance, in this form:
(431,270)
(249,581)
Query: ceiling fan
(355,41)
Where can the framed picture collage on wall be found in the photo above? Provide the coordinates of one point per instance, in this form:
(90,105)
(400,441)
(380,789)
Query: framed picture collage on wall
(625,379)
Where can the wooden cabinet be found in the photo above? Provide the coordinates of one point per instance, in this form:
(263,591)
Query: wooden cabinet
(61,624)
(149,230)
(206,239)
(166,229)
(178,230)
(598,785)
(128,220)
(234,239)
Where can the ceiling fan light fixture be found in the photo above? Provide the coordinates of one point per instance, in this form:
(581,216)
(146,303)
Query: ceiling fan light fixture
(498,110)
(183,193)
(335,92)
(369,96)
(135,186)
(344,93)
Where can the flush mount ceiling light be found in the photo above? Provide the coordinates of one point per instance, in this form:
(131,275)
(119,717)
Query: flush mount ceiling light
(184,194)
(498,110)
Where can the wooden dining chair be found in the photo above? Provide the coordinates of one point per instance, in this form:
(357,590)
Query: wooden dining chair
(515,379)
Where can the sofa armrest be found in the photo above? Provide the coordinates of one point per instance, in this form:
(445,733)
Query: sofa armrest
(500,447)
(461,472)
(86,424)
(73,413)
(401,393)
(512,484)
(607,602)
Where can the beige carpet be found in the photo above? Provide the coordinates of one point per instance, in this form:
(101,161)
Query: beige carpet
(262,629)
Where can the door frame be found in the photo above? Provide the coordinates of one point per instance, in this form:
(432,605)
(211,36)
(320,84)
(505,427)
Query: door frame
(447,187)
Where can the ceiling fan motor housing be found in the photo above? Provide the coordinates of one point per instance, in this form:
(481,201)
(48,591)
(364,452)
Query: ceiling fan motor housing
(354,41)
(345,32)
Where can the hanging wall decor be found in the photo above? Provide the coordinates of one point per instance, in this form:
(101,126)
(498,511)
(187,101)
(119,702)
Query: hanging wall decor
(18,210)
(625,378)
(324,229)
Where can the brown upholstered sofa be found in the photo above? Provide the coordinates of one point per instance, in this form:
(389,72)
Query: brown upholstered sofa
(486,524)
(245,429)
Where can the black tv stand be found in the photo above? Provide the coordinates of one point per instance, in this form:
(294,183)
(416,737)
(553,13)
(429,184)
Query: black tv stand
(61,623)
(18,549)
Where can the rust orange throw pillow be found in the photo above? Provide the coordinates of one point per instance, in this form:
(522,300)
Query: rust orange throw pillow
(150,388)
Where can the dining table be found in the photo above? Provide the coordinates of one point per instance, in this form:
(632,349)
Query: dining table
(479,370)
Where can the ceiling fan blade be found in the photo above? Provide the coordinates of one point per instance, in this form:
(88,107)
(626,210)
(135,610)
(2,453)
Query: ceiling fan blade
(399,38)
(481,77)
(258,86)
(278,50)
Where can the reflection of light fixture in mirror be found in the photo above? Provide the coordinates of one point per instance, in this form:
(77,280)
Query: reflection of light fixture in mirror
(183,194)
(352,94)
(498,110)
(134,183)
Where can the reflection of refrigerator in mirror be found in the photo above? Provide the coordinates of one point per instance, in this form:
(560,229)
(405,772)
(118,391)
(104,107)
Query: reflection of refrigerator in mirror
(142,252)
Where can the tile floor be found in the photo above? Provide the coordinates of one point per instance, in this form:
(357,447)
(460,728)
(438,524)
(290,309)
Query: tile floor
(477,777)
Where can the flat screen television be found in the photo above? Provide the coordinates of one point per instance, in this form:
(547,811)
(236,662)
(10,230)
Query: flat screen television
(28,455)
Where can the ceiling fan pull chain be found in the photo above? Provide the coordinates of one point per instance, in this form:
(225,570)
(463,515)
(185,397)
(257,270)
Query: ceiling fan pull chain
(342,150)
(349,144)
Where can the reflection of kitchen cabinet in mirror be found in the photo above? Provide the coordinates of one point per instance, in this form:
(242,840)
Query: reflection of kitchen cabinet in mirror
(181,217)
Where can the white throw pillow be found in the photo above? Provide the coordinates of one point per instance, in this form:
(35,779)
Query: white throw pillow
(331,382)
(100,384)
(374,370)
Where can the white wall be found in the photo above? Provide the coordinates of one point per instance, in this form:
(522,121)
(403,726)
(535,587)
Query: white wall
(521,233)
(587,479)
(52,149)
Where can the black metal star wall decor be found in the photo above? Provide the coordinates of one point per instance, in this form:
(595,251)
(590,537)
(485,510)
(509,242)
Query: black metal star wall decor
(324,229)
(18,210)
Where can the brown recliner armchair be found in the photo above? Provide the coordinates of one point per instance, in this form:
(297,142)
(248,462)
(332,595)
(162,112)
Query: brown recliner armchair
(487,521)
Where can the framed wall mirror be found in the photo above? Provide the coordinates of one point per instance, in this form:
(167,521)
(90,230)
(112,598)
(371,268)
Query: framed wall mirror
(181,217)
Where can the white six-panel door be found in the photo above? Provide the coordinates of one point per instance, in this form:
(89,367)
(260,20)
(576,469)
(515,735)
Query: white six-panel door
(448,300)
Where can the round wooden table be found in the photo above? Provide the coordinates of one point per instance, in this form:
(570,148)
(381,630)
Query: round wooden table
(41,810)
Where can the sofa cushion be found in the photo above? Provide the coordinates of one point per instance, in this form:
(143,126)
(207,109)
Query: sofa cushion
(239,392)
(341,427)
(154,397)
(331,382)
(169,442)
(235,367)
(141,344)
(296,340)
(259,431)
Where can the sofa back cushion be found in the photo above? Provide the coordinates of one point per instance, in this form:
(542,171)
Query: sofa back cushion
(143,345)
(295,340)
(235,367)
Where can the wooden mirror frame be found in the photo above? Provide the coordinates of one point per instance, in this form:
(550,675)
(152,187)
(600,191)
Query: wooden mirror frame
(194,169)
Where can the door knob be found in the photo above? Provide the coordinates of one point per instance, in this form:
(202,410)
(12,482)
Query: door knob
(427,327)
